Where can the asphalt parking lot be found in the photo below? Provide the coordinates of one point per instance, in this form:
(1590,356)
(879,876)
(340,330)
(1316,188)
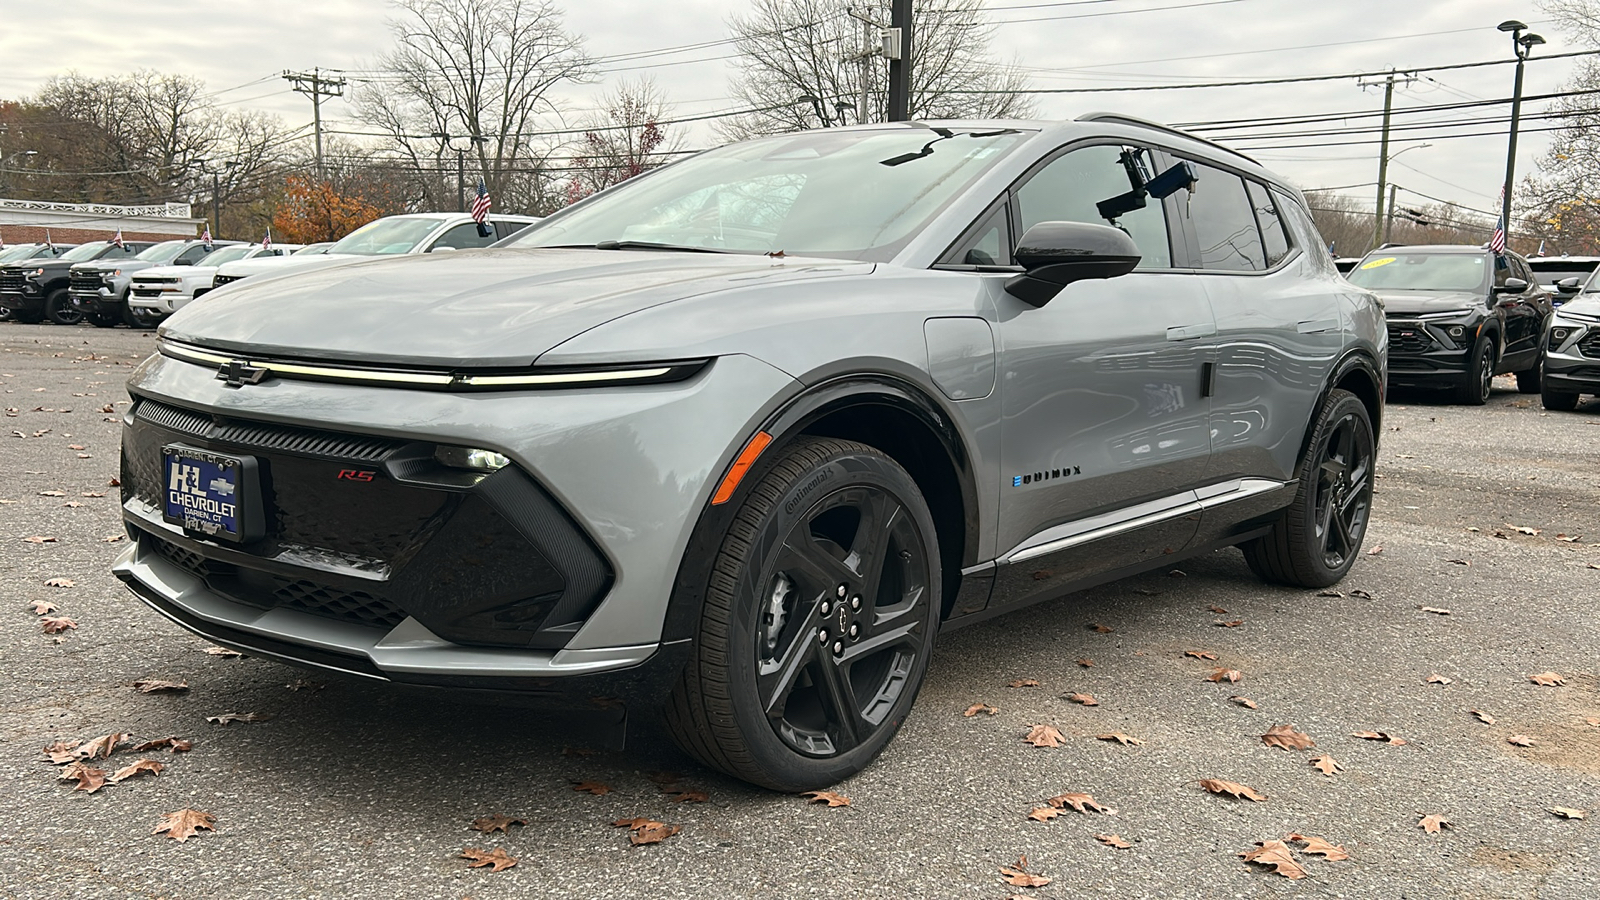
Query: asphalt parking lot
(349,790)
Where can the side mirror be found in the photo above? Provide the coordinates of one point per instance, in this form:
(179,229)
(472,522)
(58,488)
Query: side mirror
(440,249)
(1055,254)
(183,262)
(1512,286)
(1569,286)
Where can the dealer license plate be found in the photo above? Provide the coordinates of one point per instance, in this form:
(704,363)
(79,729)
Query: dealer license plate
(207,492)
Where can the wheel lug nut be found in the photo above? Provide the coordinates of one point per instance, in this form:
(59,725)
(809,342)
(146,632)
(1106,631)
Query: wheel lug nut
(855,631)
(822,636)
(841,590)
(855,602)
(838,647)
(826,608)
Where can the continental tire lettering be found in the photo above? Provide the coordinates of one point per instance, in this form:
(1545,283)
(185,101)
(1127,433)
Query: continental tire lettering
(806,489)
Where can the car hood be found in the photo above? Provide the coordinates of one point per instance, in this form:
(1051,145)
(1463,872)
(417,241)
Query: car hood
(1587,304)
(472,308)
(1413,302)
(126,264)
(283,265)
(177,271)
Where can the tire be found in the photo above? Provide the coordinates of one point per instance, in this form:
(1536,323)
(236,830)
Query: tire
(101,320)
(139,317)
(1560,401)
(1528,380)
(1318,537)
(780,630)
(1473,388)
(59,310)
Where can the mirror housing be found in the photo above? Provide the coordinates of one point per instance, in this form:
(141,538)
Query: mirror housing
(1512,286)
(183,262)
(1569,286)
(1055,254)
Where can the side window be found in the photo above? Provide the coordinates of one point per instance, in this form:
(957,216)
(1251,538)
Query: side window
(1299,222)
(1224,223)
(1502,269)
(1524,272)
(464,237)
(193,253)
(504,230)
(987,244)
(1273,237)
(1068,189)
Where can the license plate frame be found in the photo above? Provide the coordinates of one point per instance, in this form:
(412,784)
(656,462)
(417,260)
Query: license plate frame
(211,495)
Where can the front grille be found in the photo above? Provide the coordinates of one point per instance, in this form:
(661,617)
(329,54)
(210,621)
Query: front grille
(221,280)
(335,603)
(187,560)
(1590,345)
(86,282)
(262,436)
(12,279)
(140,290)
(1409,339)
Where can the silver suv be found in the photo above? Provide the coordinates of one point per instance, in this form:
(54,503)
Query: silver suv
(737,438)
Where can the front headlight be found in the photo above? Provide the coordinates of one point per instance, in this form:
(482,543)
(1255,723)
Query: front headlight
(471,458)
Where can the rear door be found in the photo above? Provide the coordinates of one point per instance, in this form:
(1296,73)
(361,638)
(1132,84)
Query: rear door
(1525,315)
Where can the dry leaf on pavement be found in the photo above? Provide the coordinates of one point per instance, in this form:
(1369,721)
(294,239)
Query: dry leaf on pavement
(1275,854)
(591,787)
(496,822)
(496,858)
(1081,802)
(230,718)
(173,745)
(1440,679)
(1567,812)
(1383,736)
(1113,840)
(1024,682)
(1085,699)
(1100,629)
(100,747)
(60,752)
(1044,735)
(60,583)
(690,797)
(1017,875)
(653,833)
(1320,847)
(1200,654)
(1119,737)
(89,778)
(976,708)
(1086,663)
(137,768)
(1233,788)
(185,823)
(51,539)
(828,797)
(153,686)
(1520,740)
(1327,765)
(1284,737)
(57,624)
(1245,702)
(1432,824)
(1435,610)
(1232,624)
(1217,609)
(222,651)
(1548,679)
(1043,813)
(1219,675)
(42,607)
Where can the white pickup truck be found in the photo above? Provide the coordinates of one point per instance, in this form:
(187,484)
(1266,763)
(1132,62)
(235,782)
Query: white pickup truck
(164,290)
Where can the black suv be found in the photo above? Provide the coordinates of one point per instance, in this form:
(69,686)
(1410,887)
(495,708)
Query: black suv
(1458,316)
(37,288)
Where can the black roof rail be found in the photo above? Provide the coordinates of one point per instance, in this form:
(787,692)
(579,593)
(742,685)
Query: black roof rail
(1121,119)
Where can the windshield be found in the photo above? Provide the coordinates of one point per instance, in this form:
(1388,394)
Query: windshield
(163,252)
(312,249)
(82,252)
(853,194)
(225,254)
(16,252)
(381,237)
(1422,272)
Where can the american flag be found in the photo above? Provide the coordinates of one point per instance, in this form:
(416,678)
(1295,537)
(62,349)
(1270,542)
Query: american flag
(480,208)
(116,239)
(1497,241)
(266,242)
(205,238)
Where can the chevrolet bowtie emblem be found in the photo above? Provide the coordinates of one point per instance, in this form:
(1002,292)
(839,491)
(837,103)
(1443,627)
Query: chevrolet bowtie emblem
(238,373)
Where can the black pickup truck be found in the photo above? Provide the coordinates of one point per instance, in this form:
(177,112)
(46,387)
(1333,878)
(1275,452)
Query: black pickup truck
(21,253)
(33,290)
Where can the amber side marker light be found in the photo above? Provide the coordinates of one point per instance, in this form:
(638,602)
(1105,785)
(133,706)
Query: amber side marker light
(741,465)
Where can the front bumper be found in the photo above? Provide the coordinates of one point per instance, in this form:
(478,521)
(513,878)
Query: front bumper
(28,299)
(160,300)
(1573,365)
(1425,353)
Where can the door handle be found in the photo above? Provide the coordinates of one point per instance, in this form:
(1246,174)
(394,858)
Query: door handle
(1188,332)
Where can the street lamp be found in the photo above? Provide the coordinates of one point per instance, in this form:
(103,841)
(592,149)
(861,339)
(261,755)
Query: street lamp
(1388,222)
(461,164)
(18,155)
(1522,45)
(816,104)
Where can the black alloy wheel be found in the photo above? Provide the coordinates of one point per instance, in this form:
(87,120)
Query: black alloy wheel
(59,310)
(1474,386)
(818,622)
(140,317)
(1318,536)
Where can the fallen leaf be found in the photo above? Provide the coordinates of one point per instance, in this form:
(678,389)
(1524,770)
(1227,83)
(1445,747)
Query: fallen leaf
(101,747)
(577,752)
(497,822)
(690,797)
(1432,824)
(113,538)
(1320,847)
(1284,737)
(1375,551)
(1435,610)
(591,787)
(60,752)
(1567,812)
(138,768)
(1461,562)
(976,708)
(1177,573)
(1327,765)
(1520,740)
(1100,629)
(1200,654)
(1113,840)
(222,651)
(1592,721)
(1483,717)
(828,797)
(152,686)
(1086,663)
(52,493)
(1233,624)
(89,778)
(173,745)
(76,447)
(1523,529)
(1024,682)
(663,778)
(1081,802)
(43,607)
(60,583)
(1018,875)
(1440,679)
(1245,702)
(1119,737)
(51,539)
(114,482)
(1330,594)
(185,823)
(1275,854)
(93,494)
(1085,699)
(1217,609)
(1219,675)
(230,718)
(495,858)
(1235,789)
(1569,538)
(1548,679)
(57,624)
(1360,594)
(1043,813)
(652,833)
(1383,736)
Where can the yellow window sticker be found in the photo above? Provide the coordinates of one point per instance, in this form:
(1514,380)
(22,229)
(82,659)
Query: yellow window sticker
(1377,262)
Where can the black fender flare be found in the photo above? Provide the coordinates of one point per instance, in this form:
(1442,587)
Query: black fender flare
(1356,361)
(791,419)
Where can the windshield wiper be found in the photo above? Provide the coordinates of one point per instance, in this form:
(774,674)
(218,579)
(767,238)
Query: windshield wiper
(652,245)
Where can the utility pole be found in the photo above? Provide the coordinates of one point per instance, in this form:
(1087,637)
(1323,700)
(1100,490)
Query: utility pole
(1522,45)
(869,48)
(1383,150)
(1388,223)
(318,86)
(899,41)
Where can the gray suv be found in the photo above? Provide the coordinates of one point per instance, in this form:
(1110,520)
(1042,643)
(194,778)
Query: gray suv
(736,439)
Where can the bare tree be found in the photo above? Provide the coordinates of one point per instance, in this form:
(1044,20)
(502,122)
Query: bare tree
(478,71)
(801,65)
(1560,204)
(626,139)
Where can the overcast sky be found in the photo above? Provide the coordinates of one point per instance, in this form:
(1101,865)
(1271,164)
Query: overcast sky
(239,49)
